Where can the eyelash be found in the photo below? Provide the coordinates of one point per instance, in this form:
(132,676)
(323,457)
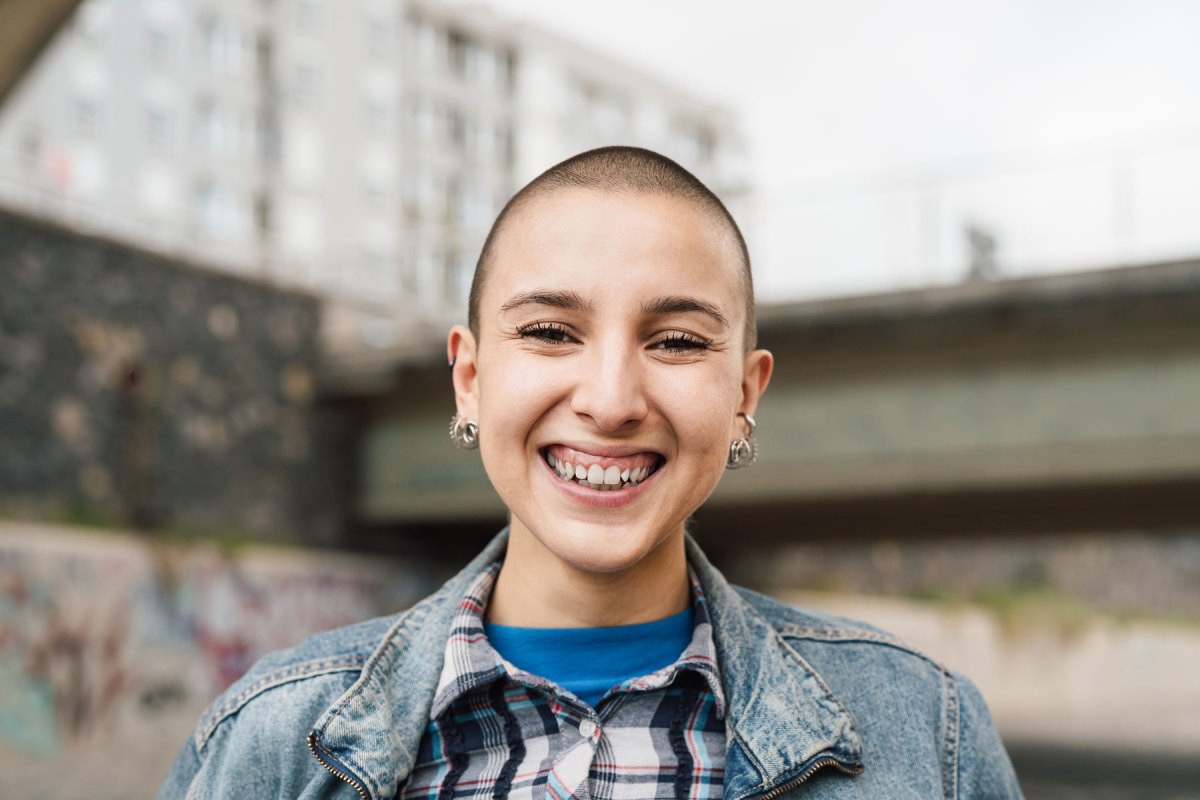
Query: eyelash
(555,333)
(545,332)
(682,343)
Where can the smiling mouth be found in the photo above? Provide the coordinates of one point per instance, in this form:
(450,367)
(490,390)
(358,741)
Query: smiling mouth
(602,474)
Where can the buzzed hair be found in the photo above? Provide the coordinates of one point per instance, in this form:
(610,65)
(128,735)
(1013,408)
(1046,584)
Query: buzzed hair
(619,170)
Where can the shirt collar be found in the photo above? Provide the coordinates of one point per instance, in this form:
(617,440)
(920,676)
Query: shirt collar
(470,661)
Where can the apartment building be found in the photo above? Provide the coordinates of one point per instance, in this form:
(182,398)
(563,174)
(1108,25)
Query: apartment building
(358,148)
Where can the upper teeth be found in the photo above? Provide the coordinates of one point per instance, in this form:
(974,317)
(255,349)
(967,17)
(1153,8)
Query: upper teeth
(595,475)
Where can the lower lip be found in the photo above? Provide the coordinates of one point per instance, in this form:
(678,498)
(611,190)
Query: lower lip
(600,498)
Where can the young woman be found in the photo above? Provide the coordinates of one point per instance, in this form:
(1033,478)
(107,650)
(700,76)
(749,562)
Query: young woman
(608,376)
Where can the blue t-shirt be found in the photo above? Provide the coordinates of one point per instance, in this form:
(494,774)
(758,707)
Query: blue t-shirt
(590,661)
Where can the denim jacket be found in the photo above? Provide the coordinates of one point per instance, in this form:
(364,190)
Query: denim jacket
(818,707)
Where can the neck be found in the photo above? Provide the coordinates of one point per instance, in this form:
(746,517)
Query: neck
(537,589)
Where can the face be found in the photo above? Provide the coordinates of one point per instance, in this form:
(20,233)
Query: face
(609,371)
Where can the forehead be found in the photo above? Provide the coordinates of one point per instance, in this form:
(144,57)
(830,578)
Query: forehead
(618,245)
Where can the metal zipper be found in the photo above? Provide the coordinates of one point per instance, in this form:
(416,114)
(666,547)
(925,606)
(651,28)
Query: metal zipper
(813,768)
(335,772)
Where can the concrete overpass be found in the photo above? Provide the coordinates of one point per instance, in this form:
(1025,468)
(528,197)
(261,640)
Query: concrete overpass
(1069,402)
(26,27)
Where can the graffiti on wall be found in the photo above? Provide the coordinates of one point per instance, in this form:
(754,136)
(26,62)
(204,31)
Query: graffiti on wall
(103,631)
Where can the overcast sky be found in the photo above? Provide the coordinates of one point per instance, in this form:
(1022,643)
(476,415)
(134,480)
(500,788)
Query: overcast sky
(835,94)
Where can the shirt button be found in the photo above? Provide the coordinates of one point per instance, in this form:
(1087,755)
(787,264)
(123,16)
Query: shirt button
(587,728)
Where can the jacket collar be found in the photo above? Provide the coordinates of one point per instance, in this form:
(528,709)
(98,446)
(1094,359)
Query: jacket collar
(780,713)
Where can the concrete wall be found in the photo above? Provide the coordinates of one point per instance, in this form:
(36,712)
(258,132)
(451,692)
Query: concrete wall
(112,645)
(1097,684)
(140,390)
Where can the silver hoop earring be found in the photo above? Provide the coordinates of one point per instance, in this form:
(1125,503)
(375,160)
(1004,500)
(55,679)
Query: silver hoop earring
(744,451)
(464,432)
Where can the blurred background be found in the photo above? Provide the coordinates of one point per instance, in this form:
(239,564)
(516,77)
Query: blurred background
(233,234)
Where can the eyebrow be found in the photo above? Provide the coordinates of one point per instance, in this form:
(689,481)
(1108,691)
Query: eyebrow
(680,305)
(572,301)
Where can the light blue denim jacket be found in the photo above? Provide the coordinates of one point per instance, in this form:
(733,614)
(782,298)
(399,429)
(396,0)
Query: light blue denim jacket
(818,707)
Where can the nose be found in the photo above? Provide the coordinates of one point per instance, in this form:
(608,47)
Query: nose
(610,386)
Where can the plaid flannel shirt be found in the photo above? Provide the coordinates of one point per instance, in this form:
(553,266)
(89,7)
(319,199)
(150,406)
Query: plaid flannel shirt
(497,731)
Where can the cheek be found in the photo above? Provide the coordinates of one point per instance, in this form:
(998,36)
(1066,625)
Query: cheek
(700,412)
(513,394)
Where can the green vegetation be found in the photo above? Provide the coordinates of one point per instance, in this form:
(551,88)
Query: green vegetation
(88,517)
(1031,599)
(84,515)
(230,542)
(1020,607)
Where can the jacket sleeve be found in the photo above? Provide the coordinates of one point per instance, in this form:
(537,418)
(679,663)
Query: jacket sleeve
(183,771)
(255,744)
(984,771)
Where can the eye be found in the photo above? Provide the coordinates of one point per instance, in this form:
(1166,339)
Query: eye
(677,342)
(547,332)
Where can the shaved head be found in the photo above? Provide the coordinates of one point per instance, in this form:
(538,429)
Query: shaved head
(618,170)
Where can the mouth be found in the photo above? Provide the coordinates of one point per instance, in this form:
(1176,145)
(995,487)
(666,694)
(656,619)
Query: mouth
(601,473)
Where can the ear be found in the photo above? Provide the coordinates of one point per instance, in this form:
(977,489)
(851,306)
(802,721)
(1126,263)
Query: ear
(461,352)
(755,377)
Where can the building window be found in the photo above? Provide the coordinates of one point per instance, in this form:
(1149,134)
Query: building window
(263,208)
(375,192)
(460,52)
(263,52)
(458,268)
(506,71)
(215,209)
(91,21)
(474,56)
(308,15)
(504,144)
(221,46)
(485,66)
(375,267)
(159,46)
(597,110)
(87,116)
(451,282)
(433,197)
(696,142)
(418,42)
(219,131)
(452,202)
(379,37)
(455,127)
(429,272)
(408,266)
(410,190)
(157,190)
(159,127)
(378,116)
(421,119)
(305,84)
(480,142)
(474,211)
(30,152)
(581,95)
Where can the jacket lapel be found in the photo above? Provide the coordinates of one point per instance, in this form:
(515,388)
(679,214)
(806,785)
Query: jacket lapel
(782,717)
(374,730)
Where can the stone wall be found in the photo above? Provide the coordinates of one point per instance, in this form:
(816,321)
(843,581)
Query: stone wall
(140,391)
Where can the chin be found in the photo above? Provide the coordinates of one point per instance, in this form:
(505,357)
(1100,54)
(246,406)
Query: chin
(600,548)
